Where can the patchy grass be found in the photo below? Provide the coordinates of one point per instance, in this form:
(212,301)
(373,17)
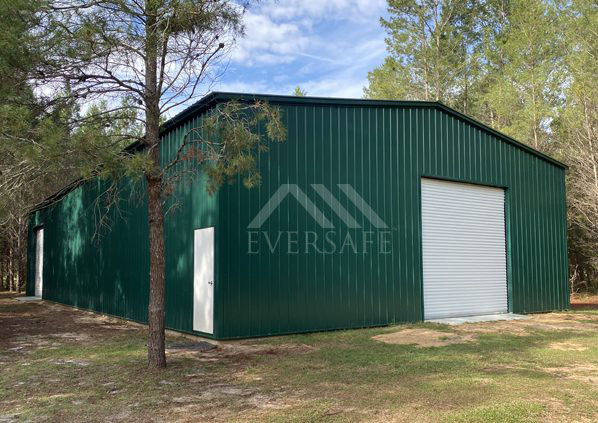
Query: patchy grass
(506,413)
(60,364)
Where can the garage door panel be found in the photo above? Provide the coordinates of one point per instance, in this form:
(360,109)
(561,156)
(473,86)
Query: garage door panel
(464,254)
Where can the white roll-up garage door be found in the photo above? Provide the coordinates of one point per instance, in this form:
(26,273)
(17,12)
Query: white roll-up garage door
(464,257)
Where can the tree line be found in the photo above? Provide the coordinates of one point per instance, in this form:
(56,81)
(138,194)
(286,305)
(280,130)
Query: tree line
(528,68)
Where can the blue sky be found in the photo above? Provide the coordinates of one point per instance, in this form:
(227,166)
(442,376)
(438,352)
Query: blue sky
(325,46)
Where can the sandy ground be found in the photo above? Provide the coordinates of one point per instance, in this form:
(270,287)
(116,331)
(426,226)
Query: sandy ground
(584,301)
(425,337)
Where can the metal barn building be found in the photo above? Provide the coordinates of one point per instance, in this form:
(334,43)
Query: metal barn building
(370,213)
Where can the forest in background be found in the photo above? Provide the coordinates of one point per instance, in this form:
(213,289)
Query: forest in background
(527,68)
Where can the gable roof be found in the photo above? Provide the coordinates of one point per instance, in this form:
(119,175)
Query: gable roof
(217,97)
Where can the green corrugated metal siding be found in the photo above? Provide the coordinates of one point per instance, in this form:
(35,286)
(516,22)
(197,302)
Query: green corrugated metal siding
(383,152)
(106,272)
(189,208)
(110,273)
(382,149)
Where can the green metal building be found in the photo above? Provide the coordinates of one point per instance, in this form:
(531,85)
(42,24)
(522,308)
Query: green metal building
(370,213)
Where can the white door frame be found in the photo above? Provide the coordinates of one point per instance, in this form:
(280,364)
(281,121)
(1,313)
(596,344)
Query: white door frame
(203,280)
(39,262)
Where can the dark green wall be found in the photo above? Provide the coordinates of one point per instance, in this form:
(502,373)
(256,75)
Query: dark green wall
(382,150)
(109,273)
(88,265)
(189,208)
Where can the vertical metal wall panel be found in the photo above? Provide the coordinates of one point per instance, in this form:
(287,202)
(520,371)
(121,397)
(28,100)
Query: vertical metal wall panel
(106,268)
(92,266)
(190,207)
(382,150)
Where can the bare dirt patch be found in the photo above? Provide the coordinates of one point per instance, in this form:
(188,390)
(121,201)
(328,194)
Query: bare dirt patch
(583,372)
(567,346)
(424,338)
(546,321)
(584,301)
(32,326)
(236,351)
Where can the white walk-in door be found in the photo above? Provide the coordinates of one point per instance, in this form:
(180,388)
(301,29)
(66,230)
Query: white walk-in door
(464,253)
(39,262)
(203,281)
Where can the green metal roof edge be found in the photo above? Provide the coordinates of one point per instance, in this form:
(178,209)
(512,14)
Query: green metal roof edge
(221,96)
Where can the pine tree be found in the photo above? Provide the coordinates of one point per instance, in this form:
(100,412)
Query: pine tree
(525,73)
(429,53)
(298,92)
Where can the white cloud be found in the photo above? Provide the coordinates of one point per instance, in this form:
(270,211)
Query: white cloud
(278,31)
(326,47)
(329,9)
(259,87)
(333,87)
(269,41)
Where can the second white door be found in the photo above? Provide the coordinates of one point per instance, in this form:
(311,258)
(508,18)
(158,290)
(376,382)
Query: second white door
(39,262)
(203,280)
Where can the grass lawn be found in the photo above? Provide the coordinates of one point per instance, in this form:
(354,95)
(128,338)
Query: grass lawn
(60,364)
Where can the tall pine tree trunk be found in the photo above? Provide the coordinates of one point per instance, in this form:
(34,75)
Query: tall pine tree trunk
(156,308)
(156,354)
(156,344)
